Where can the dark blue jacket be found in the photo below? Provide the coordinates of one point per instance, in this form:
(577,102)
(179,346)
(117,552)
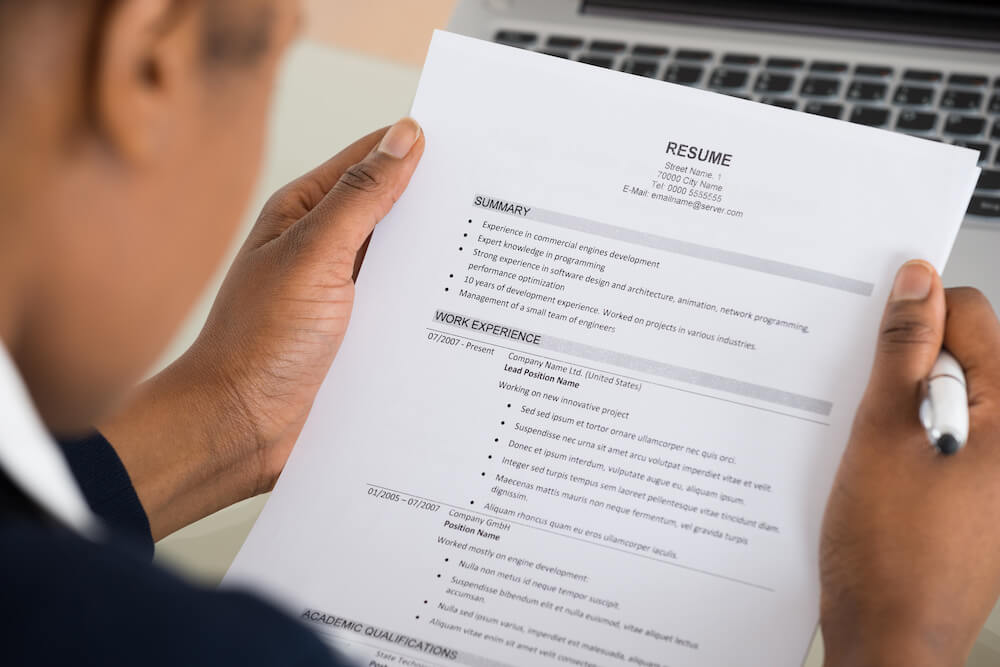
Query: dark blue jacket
(67,601)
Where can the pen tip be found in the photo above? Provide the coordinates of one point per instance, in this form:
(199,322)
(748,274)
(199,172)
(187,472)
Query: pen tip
(947,444)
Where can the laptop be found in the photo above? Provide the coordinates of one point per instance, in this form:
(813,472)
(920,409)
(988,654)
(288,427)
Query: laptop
(929,68)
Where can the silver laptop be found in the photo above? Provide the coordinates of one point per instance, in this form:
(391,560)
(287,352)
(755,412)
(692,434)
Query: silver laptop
(930,68)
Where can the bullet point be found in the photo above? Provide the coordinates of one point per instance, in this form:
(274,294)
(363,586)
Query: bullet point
(472,502)
(460,248)
(464,234)
(470,221)
(445,289)
(452,275)
(502,423)
(439,576)
(484,474)
(496,439)
(490,456)
(425,601)
(508,405)
(418,618)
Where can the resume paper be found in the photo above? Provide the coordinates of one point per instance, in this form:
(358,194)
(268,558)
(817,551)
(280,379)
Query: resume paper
(605,356)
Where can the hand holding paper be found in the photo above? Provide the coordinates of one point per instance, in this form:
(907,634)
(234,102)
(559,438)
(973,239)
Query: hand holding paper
(913,582)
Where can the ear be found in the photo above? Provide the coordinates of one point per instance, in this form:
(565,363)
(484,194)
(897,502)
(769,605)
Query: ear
(145,53)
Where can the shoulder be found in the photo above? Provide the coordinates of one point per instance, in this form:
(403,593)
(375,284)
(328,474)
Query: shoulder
(69,601)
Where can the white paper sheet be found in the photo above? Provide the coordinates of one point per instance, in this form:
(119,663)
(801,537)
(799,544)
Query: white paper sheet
(597,384)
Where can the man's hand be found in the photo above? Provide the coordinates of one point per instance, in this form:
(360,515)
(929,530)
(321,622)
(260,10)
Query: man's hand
(218,425)
(910,554)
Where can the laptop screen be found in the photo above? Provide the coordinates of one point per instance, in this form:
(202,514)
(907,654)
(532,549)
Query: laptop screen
(955,23)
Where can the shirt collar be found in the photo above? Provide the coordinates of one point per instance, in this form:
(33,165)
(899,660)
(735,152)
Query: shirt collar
(33,460)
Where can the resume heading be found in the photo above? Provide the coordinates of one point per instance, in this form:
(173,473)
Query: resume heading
(701,154)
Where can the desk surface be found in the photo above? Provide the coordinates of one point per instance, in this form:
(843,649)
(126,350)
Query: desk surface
(329,95)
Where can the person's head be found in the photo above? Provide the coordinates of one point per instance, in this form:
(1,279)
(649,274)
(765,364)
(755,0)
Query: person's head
(130,134)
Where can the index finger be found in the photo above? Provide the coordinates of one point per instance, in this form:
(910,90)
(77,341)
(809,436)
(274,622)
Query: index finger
(296,199)
(315,184)
(972,335)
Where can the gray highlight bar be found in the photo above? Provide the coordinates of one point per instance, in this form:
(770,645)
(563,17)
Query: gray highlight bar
(658,368)
(689,375)
(706,253)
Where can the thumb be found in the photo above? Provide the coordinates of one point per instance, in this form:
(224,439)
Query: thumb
(364,193)
(910,337)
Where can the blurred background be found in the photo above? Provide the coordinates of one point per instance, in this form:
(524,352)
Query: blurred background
(356,69)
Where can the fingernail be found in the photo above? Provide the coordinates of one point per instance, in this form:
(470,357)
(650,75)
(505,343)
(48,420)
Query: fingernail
(400,138)
(913,282)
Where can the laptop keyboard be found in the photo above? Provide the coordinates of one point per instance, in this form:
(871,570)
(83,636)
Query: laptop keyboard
(962,108)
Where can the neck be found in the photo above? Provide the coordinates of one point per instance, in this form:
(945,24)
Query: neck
(15,281)
(24,210)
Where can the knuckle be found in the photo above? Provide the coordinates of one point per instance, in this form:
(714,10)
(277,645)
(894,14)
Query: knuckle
(282,197)
(907,330)
(287,202)
(968,299)
(363,177)
(277,199)
(965,292)
(972,331)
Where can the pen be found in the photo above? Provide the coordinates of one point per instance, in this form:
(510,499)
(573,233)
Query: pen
(944,411)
